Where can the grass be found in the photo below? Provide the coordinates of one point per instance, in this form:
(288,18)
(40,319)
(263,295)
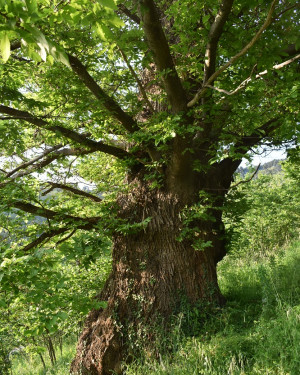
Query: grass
(256,333)
(32,365)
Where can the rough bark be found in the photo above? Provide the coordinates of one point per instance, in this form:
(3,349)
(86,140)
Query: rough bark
(152,271)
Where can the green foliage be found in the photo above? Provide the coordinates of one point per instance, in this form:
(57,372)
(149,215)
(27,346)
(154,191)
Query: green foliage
(27,19)
(264,214)
(256,333)
(5,364)
(30,363)
(51,290)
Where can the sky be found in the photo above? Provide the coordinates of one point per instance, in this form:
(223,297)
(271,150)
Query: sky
(265,157)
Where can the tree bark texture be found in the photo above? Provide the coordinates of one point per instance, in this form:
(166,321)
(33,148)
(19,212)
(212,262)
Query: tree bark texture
(152,271)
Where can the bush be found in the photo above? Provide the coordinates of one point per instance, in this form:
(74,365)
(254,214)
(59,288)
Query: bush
(5,364)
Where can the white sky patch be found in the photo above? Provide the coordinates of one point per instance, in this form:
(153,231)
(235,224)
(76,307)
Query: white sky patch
(265,157)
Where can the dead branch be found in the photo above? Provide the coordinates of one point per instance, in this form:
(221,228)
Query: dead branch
(251,78)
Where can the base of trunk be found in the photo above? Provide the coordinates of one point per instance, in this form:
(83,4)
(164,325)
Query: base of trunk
(152,274)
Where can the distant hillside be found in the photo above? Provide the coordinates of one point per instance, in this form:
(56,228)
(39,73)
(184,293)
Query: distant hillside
(271,167)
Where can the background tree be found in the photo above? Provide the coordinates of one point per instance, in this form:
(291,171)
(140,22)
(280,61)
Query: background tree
(155,104)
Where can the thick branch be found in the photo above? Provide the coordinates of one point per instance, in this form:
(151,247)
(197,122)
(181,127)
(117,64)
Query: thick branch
(203,90)
(80,70)
(246,142)
(215,33)
(70,134)
(55,185)
(113,107)
(162,56)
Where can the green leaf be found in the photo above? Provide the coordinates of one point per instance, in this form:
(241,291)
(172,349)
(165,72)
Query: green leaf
(40,349)
(63,315)
(100,305)
(63,58)
(5,47)
(116,21)
(31,6)
(108,4)
(103,31)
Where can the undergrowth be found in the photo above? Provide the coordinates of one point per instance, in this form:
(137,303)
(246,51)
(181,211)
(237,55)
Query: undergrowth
(256,333)
(30,364)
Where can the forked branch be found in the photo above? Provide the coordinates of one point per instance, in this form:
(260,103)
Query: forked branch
(29,167)
(46,236)
(251,78)
(243,51)
(34,160)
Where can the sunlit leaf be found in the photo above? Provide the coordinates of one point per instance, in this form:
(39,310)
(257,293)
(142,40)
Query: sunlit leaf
(5,47)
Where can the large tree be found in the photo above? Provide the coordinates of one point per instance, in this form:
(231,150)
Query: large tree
(154,103)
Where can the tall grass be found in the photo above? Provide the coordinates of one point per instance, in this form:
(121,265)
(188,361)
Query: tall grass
(256,333)
(30,364)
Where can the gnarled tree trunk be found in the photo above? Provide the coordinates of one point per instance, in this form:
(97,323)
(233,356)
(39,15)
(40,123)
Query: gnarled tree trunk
(152,270)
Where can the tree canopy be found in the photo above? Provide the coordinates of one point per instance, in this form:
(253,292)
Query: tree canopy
(90,83)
